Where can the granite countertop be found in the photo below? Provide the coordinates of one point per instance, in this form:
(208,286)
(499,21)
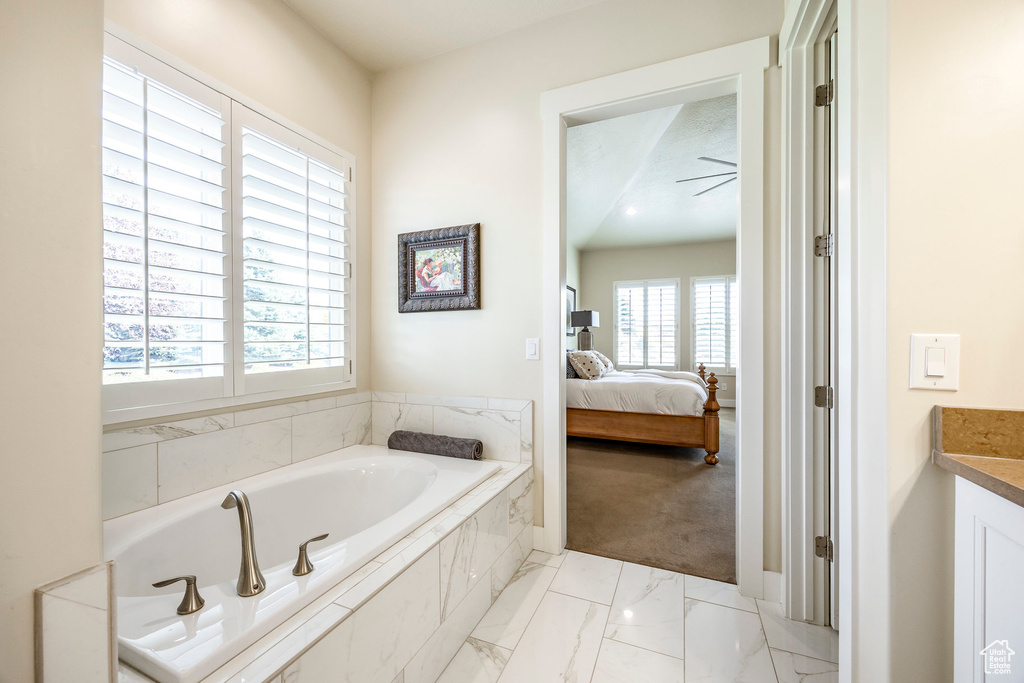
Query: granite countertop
(985,447)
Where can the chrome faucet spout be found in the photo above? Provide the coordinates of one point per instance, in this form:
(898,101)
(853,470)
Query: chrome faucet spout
(250,579)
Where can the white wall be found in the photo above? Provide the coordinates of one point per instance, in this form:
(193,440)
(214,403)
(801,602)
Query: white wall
(457,139)
(265,51)
(600,269)
(956,239)
(51,275)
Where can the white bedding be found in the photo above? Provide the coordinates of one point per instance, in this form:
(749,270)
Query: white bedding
(636,393)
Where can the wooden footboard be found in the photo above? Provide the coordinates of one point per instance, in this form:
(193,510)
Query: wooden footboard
(669,430)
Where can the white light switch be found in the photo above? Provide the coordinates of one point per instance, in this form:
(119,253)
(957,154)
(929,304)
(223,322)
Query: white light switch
(533,349)
(935,361)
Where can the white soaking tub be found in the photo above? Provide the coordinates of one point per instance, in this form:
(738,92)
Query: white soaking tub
(365,497)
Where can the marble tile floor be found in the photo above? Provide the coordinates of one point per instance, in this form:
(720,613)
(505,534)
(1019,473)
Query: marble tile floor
(583,618)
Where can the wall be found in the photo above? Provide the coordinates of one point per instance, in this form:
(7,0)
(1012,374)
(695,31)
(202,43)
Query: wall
(457,139)
(51,346)
(602,268)
(954,266)
(265,51)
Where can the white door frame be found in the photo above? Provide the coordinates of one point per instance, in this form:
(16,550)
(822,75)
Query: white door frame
(734,69)
(862,537)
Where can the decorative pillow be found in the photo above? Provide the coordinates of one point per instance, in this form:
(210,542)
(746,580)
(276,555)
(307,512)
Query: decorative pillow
(605,360)
(587,364)
(570,371)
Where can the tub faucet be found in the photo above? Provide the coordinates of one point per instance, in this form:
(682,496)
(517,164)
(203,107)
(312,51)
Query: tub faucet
(250,579)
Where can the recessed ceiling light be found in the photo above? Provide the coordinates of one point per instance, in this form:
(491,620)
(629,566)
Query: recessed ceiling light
(631,211)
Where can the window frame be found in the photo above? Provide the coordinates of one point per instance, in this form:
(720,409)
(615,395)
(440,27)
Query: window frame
(131,401)
(676,282)
(730,368)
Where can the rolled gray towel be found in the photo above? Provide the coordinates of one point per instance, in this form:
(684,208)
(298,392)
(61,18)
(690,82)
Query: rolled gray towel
(436,444)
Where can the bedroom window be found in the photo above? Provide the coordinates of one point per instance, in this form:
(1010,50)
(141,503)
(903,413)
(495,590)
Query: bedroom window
(646,324)
(225,247)
(715,323)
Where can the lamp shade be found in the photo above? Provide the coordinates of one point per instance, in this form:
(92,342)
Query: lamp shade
(585,319)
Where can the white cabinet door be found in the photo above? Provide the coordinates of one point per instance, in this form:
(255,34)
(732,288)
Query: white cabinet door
(989,587)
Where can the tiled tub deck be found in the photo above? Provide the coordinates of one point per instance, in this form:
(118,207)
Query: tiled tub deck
(408,611)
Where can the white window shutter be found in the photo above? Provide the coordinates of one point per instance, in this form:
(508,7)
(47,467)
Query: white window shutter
(715,307)
(646,323)
(164,245)
(294,260)
(629,323)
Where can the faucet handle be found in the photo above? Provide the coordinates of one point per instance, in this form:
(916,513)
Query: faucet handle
(192,601)
(302,565)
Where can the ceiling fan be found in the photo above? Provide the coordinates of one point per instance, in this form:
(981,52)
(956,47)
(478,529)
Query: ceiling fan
(713,175)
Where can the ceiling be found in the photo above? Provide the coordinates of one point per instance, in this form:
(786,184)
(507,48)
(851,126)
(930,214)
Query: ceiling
(622,173)
(384,35)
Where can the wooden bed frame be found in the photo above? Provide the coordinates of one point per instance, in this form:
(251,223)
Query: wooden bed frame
(696,431)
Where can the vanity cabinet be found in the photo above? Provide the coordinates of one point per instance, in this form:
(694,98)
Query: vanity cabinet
(989,587)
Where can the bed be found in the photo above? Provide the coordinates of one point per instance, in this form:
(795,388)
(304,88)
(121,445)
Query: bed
(649,406)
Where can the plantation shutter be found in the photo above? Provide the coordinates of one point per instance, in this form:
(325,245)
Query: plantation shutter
(294,261)
(629,323)
(715,337)
(646,324)
(164,226)
(661,324)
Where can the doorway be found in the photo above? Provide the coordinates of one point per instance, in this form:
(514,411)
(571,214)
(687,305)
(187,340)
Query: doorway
(651,253)
(735,69)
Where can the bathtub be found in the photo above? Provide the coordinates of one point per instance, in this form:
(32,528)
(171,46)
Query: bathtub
(365,497)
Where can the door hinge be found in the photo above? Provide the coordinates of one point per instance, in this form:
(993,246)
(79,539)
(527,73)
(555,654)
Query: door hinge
(350,367)
(823,94)
(823,397)
(823,245)
(350,174)
(823,547)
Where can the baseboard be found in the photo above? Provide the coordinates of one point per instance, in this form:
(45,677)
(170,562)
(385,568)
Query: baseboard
(727,402)
(773,587)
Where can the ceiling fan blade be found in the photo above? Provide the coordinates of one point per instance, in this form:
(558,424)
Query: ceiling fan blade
(702,177)
(718,161)
(713,187)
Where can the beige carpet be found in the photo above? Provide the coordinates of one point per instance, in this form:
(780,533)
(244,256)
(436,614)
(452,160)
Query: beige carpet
(659,506)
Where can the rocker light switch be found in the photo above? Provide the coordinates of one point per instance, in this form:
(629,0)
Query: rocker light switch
(532,349)
(935,361)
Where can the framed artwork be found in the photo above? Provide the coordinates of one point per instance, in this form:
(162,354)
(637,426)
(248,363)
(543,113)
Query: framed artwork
(439,270)
(570,306)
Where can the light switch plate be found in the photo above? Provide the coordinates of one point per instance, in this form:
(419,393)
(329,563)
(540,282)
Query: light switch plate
(532,349)
(923,346)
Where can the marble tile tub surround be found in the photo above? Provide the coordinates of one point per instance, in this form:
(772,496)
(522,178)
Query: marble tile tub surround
(405,614)
(153,464)
(504,425)
(147,465)
(75,626)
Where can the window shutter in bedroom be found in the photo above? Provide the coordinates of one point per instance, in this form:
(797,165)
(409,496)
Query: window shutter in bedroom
(164,208)
(714,334)
(646,323)
(629,323)
(661,324)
